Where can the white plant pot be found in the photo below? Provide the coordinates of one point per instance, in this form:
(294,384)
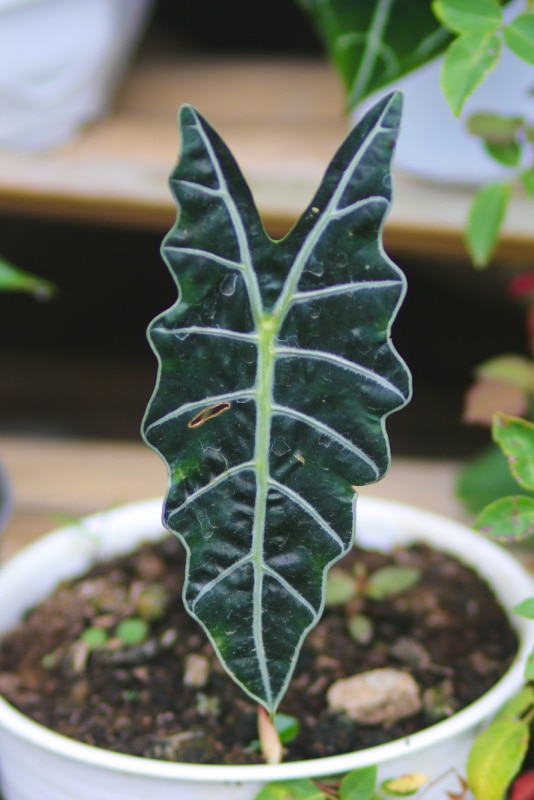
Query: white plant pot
(435,145)
(37,764)
(61,64)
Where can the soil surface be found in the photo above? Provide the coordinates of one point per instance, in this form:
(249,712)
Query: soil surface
(166,696)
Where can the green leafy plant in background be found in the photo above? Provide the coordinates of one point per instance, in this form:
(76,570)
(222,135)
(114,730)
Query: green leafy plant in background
(276,375)
(16,280)
(481,35)
(372,45)
(343,586)
(505,383)
(511,518)
(498,753)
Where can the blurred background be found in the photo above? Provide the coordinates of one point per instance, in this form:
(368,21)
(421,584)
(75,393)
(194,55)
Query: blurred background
(89,216)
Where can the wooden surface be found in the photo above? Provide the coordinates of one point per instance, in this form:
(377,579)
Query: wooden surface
(282,117)
(55,481)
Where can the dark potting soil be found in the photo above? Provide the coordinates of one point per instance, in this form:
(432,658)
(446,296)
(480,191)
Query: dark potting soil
(167,697)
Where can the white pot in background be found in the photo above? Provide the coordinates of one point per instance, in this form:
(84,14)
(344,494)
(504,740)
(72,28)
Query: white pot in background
(433,144)
(60,65)
(37,764)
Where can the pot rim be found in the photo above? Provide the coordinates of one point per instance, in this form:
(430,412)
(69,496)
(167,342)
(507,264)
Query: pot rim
(504,567)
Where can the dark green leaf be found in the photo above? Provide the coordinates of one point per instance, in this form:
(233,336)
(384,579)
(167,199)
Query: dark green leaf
(276,374)
(485,220)
(515,437)
(496,757)
(508,519)
(359,784)
(372,44)
(462,17)
(467,62)
(519,36)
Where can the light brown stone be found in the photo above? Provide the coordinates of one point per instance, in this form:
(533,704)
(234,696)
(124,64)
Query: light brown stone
(378,696)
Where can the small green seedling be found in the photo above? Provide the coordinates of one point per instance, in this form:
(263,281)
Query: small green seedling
(343,586)
(128,632)
(132,631)
(94,637)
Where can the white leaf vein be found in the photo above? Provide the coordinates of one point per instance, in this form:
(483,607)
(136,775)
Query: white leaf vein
(196,252)
(339,361)
(308,509)
(343,288)
(328,431)
(198,330)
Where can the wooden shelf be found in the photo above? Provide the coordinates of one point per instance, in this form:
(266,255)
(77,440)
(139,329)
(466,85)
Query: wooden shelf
(55,481)
(282,117)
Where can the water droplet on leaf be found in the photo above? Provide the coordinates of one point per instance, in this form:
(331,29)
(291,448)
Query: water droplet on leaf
(204,522)
(228,284)
(279,447)
(315,267)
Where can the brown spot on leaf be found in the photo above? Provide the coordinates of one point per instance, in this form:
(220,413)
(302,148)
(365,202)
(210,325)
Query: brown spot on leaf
(208,413)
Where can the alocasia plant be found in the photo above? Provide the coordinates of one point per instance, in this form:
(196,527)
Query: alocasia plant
(276,375)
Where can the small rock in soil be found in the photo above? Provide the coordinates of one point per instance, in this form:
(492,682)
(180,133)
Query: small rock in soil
(378,696)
